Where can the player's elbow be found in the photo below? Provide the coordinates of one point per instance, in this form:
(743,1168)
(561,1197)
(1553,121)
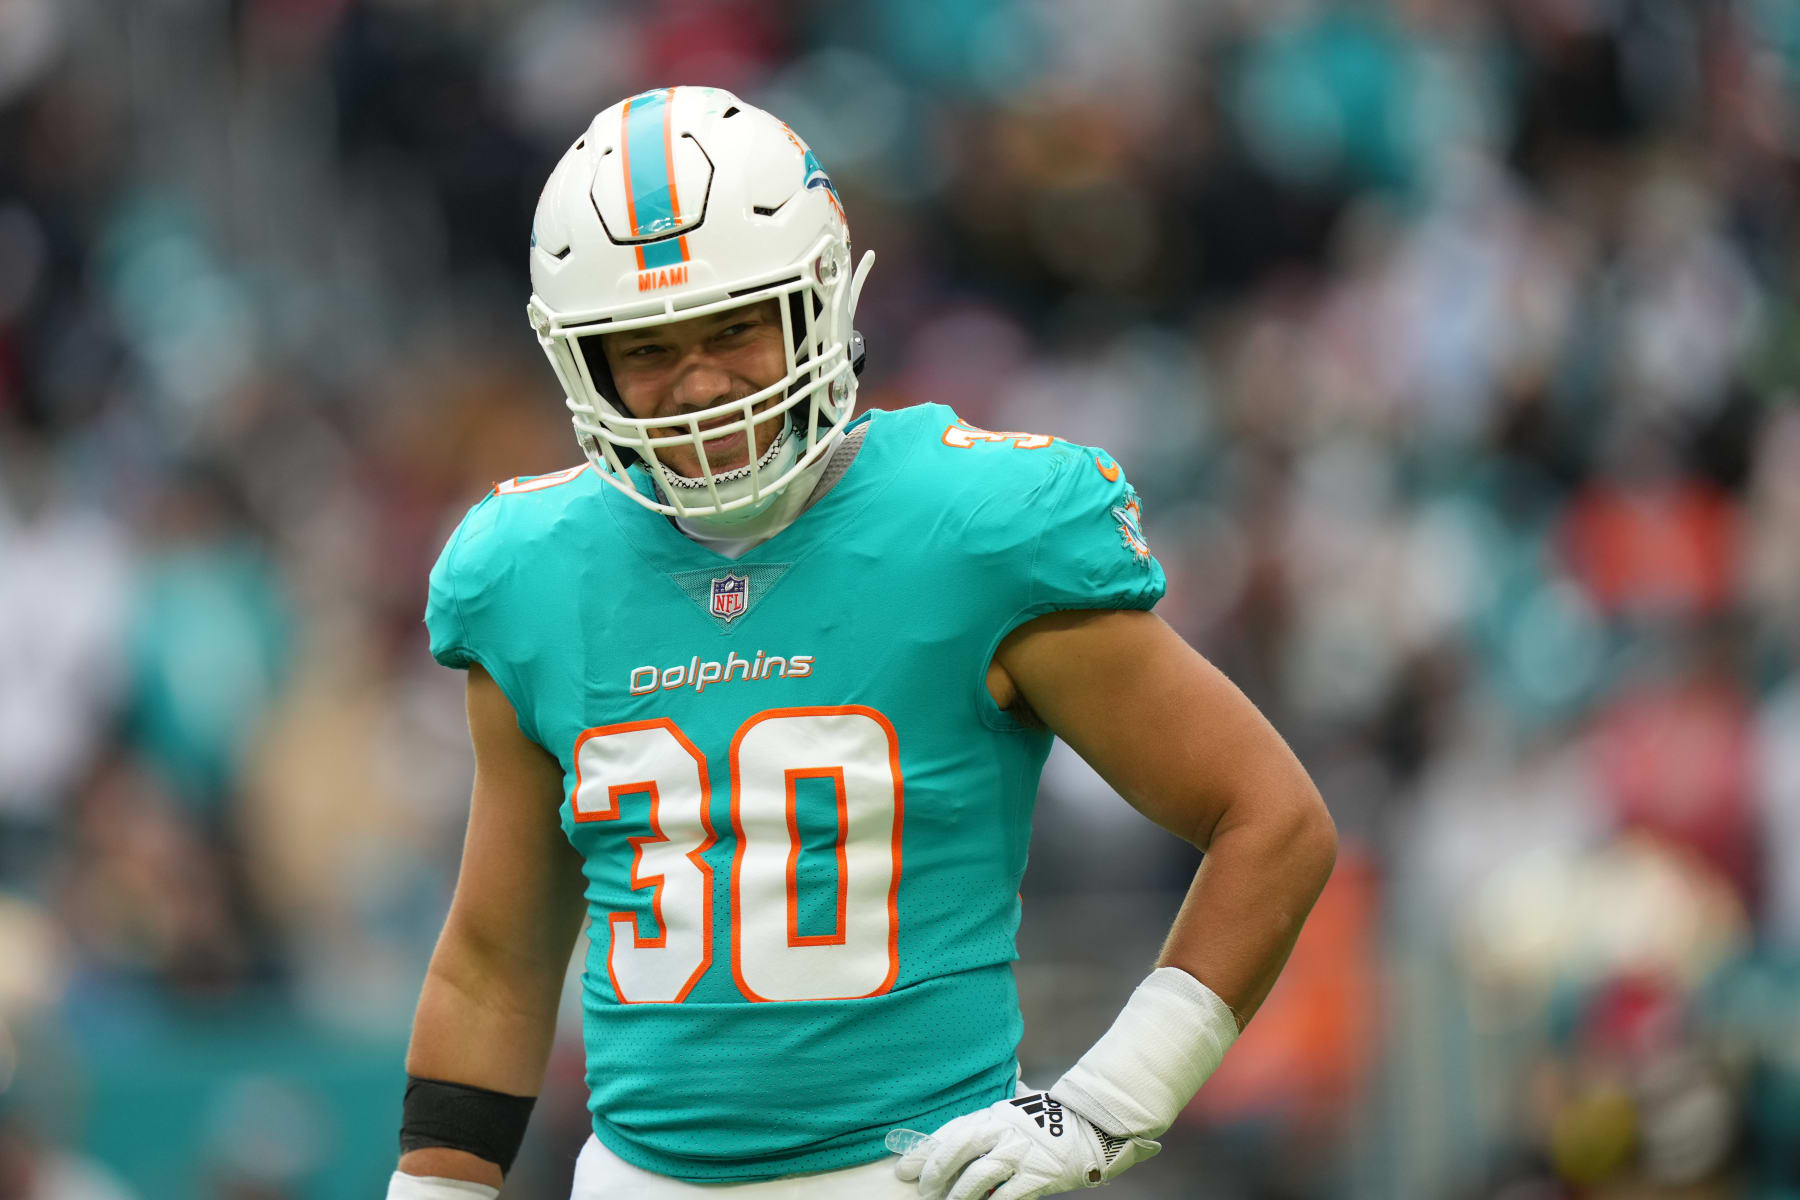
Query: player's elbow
(1287,823)
(1312,837)
(1298,835)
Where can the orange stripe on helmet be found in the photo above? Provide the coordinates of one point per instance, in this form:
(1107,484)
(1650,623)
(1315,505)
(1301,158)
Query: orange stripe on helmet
(669,165)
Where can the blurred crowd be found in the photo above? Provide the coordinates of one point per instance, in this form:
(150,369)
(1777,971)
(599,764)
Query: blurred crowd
(1454,347)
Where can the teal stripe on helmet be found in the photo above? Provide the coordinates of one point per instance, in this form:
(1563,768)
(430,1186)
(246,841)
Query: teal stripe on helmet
(652,183)
(662,254)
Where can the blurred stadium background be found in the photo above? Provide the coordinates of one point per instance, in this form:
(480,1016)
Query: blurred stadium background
(1453,345)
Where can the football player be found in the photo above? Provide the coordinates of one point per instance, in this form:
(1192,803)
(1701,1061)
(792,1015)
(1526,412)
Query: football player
(764,689)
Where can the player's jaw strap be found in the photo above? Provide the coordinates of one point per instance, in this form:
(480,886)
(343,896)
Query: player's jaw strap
(457,1116)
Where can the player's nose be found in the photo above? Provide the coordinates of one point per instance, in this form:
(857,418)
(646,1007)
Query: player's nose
(700,385)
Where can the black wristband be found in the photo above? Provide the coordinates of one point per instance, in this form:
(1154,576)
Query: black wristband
(455,1116)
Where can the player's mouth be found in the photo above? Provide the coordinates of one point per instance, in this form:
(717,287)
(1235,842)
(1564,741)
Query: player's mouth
(726,453)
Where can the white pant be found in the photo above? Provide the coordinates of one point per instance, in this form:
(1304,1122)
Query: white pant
(602,1175)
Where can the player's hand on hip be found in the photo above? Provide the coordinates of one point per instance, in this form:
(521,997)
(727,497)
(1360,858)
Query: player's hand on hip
(1018,1149)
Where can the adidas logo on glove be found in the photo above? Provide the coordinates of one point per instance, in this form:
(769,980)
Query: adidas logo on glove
(1032,1144)
(1041,1108)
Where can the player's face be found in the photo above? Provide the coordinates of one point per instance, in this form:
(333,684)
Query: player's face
(692,365)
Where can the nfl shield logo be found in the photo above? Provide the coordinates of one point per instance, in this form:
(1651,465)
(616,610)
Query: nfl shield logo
(730,597)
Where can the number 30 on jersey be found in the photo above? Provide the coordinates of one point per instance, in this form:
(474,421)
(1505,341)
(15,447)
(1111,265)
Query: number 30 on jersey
(856,750)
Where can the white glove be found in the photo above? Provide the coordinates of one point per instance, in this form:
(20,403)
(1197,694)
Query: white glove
(433,1187)
(1018,1149)
(1138,1077)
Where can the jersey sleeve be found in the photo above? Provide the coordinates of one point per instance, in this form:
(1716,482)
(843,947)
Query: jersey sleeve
(473,612)
(1090,550)
(443,612)
(464,594)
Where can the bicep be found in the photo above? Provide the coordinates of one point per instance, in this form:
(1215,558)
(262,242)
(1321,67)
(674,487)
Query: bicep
(518,894)
(1163,726)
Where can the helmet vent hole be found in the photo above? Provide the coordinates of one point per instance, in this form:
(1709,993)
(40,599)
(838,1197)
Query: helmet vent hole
(729,113)
(580,143)
(559,255)
(760,211)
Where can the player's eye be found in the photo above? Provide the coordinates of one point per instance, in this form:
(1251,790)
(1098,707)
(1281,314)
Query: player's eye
(736,328)
(647,350)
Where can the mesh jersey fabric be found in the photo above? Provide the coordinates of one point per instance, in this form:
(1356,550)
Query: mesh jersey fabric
(838,724)
(839,462)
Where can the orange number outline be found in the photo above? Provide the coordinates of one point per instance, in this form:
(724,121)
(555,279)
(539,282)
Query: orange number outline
(654,882)
(842,929)
(964,436)
(737,856)
(538,483)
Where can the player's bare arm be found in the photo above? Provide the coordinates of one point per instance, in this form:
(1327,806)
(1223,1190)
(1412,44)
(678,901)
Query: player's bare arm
(1186,748)
(1190,751)
(487,1013)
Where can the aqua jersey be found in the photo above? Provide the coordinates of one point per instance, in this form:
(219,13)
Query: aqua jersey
(802,818)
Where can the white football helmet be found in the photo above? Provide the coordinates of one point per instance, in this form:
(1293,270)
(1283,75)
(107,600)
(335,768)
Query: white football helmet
(678,203)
